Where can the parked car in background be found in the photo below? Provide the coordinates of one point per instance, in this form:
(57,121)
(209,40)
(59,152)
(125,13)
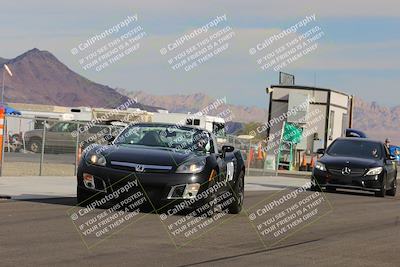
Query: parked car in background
(61,137)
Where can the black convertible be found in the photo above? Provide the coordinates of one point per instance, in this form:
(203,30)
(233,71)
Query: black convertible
(169,163)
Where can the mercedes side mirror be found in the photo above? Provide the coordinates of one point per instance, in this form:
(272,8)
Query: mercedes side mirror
(321,151)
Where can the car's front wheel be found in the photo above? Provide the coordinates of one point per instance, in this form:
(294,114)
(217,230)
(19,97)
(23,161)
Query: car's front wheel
(392,191)
(237,205)
(330,189)
(35,145)
(83,198)
(314,186)
(382,191)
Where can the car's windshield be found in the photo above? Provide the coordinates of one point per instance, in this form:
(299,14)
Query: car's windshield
(166,136)
(64,127)
(355,148)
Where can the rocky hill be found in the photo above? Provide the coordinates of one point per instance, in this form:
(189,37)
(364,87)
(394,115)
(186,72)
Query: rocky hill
(40,78)
(377,121)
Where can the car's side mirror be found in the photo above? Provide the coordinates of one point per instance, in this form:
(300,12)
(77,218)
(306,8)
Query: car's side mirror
(321,151)
(109,138)
(225,149)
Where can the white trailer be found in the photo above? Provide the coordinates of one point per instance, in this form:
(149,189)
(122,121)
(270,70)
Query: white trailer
(213,124)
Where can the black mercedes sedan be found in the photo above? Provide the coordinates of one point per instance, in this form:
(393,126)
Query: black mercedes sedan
(167,163)
(356,163)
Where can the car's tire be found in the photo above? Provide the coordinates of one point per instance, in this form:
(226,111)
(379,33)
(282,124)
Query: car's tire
(392,191)
(211,209)
(237,204)
(35,145)
(314,186)
(206,206)
(382,191)
(83,198)
(330,189)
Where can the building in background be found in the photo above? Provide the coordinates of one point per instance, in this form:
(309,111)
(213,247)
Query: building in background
(321,114)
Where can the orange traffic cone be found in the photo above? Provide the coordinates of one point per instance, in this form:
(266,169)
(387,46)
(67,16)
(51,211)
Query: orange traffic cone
(312,163)
(259,152)
(79,153)
(303,165)
(250,158)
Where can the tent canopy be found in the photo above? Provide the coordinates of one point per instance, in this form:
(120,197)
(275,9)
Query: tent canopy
(10,110)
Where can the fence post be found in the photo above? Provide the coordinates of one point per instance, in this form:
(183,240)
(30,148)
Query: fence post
(248,160)
(77,150)
(42,152)
(2,138)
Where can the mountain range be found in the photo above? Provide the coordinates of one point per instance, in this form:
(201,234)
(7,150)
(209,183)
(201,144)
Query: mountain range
(193,103)
(40,78)
(377,121)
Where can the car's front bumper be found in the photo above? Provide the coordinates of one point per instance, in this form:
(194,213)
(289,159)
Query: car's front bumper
(325,179)
(155,186)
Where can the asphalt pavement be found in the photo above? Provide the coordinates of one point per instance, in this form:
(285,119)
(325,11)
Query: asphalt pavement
(40,187)
(355,229)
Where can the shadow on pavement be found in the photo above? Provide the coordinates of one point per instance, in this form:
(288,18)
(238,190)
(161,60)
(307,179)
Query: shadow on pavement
(67,201)
(72,201)
(354,193)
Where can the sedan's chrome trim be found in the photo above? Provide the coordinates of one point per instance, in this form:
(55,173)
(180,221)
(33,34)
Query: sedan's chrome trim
(350,187)
(145,166)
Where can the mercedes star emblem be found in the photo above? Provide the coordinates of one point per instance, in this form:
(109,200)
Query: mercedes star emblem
(346,171)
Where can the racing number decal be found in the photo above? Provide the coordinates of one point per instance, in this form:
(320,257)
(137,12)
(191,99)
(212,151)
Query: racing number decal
(230,169)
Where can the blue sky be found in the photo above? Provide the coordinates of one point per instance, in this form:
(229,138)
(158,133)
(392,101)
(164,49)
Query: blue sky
(359,53)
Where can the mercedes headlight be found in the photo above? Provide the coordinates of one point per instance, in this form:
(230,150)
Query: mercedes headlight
(375,171)
(320,166)
(95,159)
(192,166)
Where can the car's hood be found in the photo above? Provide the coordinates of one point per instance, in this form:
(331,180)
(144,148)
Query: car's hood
(341,161)
(147,155)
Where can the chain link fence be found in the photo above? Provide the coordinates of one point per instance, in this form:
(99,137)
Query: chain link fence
(48,147)
(253,153)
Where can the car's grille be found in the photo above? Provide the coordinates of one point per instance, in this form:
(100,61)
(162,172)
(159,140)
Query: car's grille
(353,173)
(135,167)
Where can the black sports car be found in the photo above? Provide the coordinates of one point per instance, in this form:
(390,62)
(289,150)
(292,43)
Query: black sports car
(356,163)
(168,163)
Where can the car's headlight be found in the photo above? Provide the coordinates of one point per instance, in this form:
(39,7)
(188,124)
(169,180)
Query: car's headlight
(192,166)
(375,171)
(95,159)
(320,166)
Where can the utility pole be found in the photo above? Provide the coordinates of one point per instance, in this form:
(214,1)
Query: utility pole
(5,68)
(2,88)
